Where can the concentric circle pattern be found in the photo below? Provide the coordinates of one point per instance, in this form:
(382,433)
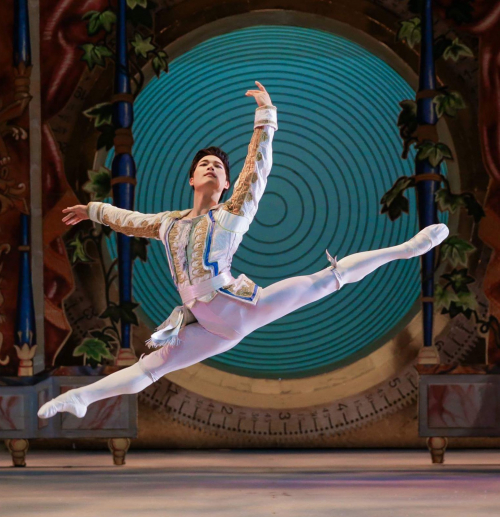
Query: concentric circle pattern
(337,151)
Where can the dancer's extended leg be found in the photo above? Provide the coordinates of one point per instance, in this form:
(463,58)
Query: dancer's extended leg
(229,321)
(355,267)
(286,296)
(196,345)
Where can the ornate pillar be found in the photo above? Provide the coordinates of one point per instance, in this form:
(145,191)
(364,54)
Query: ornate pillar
(25,333)
(123,172)
(426,176)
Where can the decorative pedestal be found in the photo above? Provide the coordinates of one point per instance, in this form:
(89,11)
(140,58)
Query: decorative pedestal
(457,401)
(20,398)
(18,449)
(119,448)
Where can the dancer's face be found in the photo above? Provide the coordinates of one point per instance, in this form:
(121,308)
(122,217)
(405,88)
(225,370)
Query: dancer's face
(209,175)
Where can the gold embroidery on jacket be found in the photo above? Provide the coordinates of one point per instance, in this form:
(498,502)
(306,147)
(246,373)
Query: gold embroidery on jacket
(246,290)
(266,122)
(147,228)
(244,182)
(199,238)
(173,241)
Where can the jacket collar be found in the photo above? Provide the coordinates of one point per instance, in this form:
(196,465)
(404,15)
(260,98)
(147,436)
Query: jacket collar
(179,214)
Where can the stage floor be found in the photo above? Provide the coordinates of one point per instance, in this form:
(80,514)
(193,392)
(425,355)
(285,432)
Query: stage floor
(225,483)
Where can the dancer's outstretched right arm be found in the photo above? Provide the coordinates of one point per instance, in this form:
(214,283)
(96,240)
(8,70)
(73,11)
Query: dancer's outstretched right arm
(131,223)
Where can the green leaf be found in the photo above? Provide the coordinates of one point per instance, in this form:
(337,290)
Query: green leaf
(474,209)
(443,297)
(112,312)
(448,103)
(467,300)
(94,349)
(410,31)
(88,55)
(103,51)
(98,21)
(107,19)
(101,113)
(160,63)
(127,312)
(400,185)
(459,279)
(455,309)
(408,124)
(457,50)
(93,24)
(435,153)
(396,208)
(107,137)
(132,4)
(139,248)
(441,43)
(456,250)
(394,202)
(124,312)
(89,14)
(447,201)
(106,338)
(142,46)
(99,184)
(408,113)
(79,253)
(407,119)
(95,54)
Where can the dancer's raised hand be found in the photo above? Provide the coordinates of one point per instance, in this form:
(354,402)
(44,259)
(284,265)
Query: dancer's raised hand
(76,214)
(260,95)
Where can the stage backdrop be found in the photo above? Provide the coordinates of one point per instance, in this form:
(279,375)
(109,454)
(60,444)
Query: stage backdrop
(339,372)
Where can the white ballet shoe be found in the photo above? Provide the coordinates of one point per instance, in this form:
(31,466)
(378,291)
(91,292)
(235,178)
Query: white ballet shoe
(427,239)
(66,402)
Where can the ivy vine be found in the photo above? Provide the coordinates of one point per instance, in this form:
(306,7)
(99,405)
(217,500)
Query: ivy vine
(452,293)
(101,50)
(100,342)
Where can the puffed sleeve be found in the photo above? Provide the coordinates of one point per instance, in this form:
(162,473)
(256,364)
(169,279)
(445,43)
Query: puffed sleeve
(129,222)
(251,182)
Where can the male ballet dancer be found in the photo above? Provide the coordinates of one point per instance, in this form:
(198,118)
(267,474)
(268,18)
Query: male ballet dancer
(217,310)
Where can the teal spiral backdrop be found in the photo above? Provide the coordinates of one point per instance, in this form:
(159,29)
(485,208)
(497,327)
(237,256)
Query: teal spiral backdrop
(337,151)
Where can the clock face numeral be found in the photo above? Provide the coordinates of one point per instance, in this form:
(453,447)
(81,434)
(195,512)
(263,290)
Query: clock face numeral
(287,425)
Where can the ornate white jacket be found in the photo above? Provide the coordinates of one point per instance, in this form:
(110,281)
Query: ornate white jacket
(216,237)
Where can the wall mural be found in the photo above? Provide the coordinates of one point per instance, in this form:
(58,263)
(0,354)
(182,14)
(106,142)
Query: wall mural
(354,134)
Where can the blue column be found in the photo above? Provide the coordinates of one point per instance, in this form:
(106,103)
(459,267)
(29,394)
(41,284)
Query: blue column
(123,170)
(427,186)
(25,316)
(22,46)
(25,334)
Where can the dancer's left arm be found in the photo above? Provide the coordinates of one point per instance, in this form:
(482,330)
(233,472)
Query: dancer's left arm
(251,182)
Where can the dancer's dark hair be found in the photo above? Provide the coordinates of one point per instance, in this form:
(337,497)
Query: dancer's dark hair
(213,151)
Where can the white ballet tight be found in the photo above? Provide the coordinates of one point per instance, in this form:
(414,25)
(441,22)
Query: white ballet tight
(224,322)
